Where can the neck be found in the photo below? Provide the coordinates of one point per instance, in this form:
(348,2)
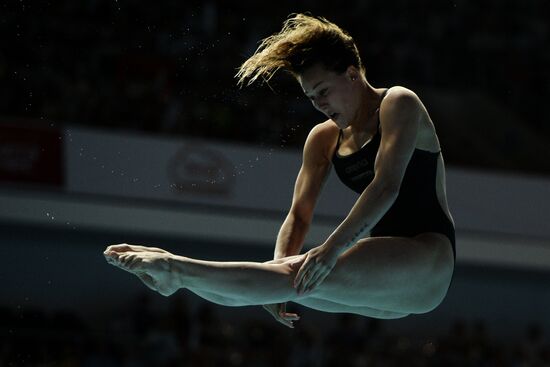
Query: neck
(371,98)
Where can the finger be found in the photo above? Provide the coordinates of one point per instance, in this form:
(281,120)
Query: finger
(282,310)
(303,269)
(311,274)
(308,274)
(285,322)
(316,277)
(300,286)
(277,315)
(314,284)
(287,315)
(272,311)
(291,316)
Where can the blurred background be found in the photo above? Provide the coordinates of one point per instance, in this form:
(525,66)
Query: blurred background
(121,122)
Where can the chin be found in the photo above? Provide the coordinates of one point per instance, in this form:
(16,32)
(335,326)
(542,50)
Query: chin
(338,122)
(341,124)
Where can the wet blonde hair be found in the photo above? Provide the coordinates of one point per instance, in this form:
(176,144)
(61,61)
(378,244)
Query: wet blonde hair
(303,42)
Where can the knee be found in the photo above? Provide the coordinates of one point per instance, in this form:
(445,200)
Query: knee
(283,260)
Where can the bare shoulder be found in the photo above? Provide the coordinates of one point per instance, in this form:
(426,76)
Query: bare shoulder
(324,130)
(402,107)
(321,139)
(400,96)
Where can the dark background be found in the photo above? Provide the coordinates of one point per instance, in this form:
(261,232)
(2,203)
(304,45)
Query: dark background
(167,69)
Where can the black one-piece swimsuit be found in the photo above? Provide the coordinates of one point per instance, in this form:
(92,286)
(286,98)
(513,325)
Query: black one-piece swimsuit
(416,209)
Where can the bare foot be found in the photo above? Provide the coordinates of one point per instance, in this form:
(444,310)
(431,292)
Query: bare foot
(150,264)
(123,247)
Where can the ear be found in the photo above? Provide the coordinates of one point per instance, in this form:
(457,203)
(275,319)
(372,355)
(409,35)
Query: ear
(352,73)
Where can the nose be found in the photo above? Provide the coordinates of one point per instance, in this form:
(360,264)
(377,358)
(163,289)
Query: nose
(320,104)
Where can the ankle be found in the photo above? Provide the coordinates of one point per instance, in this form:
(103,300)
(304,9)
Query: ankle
(177,270)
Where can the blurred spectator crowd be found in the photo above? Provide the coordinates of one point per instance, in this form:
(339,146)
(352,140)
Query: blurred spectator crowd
(168,68)
(140,336)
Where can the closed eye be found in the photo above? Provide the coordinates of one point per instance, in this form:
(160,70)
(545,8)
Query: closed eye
(322,93)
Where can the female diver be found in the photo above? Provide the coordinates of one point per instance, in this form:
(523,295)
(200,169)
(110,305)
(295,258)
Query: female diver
(394,253)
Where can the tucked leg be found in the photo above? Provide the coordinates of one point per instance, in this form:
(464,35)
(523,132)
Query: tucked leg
(400,274)
(397,274)
(310,302)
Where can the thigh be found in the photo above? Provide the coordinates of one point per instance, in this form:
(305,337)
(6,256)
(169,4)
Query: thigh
(400,274)
(328,306)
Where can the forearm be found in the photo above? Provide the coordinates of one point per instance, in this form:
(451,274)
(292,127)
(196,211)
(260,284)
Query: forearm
(291,237)
(371,206)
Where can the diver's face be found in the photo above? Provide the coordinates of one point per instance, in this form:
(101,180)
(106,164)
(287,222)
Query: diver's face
(332,93)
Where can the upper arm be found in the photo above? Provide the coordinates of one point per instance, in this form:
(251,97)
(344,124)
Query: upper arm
(399,122)
(315,167)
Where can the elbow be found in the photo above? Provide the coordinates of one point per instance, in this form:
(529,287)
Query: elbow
(391,190)
(301,215)
(303,221)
